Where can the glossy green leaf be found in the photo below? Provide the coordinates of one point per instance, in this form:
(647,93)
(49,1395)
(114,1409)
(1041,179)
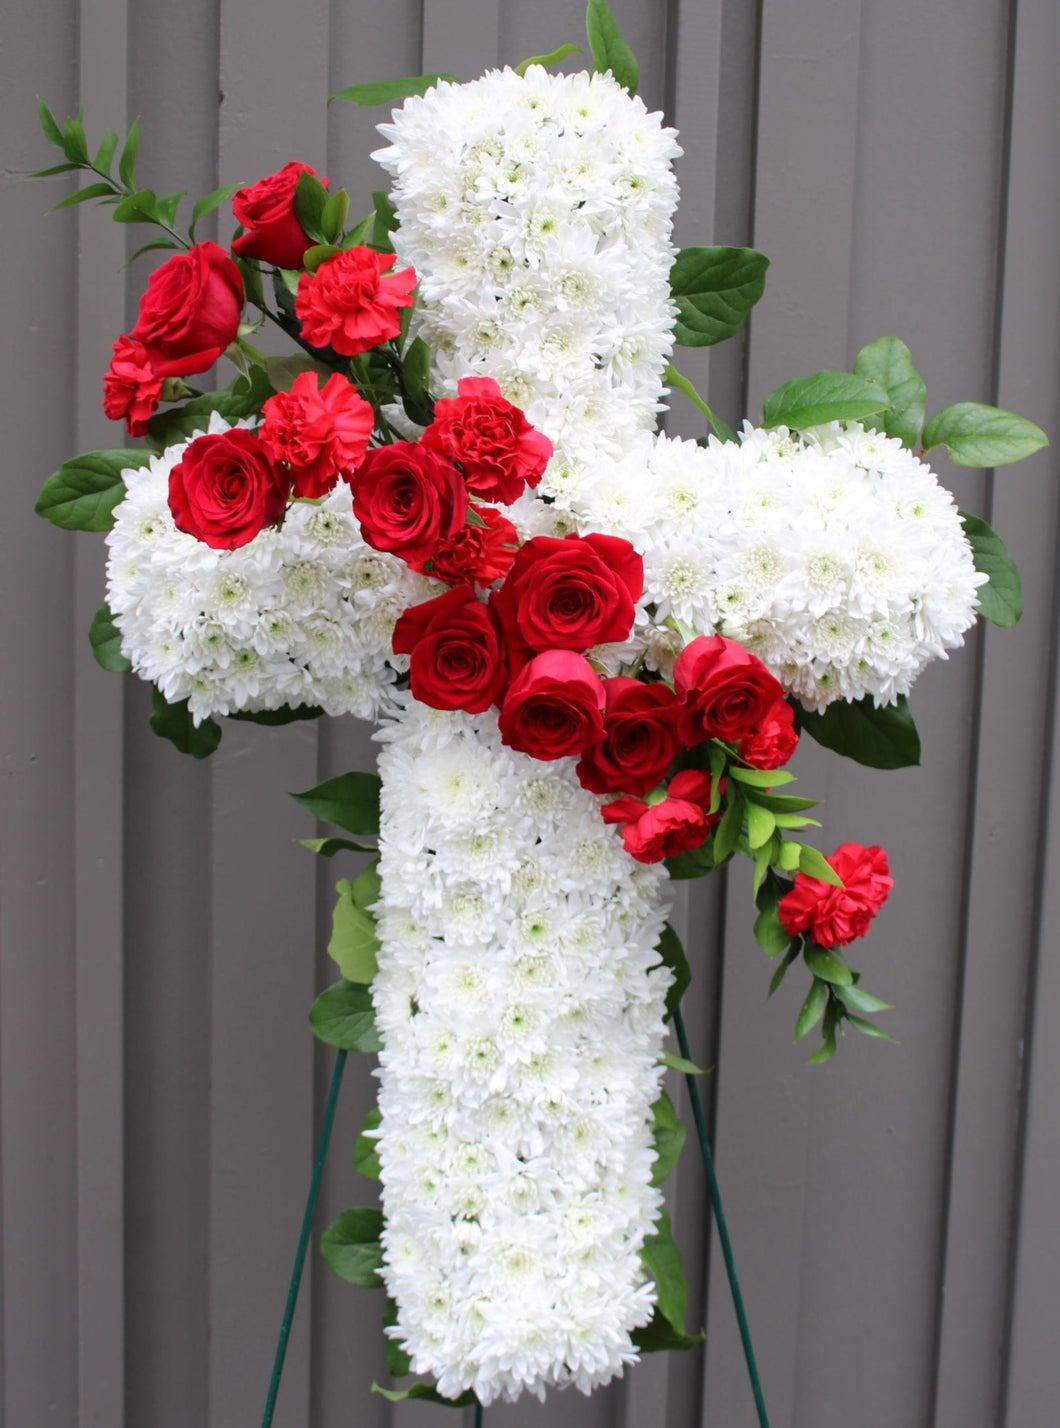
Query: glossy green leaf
(333,217)
(253,288)
(52,170)
(761,778)
(545,61)
(105,153)
(127,162)
(350,801)
(662,1260)
(609,49)
(782,803)
(728,830)
(75,145)
(815,865)
(426,1393)
(824,397)
(368,887)
(350,1246)
(857,1000)
(105,639)
(328,847)
(155,245)
(82,494)
(826,1052)
(136,207)
(319,253)
(390,91)
(659,1336)
(884,738)
(276,718)
(867,1028)
(1001,599)
(668,1136)
(672,955)
(783,965)
(282,372)
(760,824)
(978,435)
(83,195)
(695,863)
(209,202)
(398,1363)
(49,124)
(812,1009)
(682,1064)
(343,1016)
(310,196)
(175,723)
(353,944)
(715,289)
(385,222)
(769,933)
(166,207)
(242,398)
(790,853)
(889,363)
(674,378)
(826,966)
(416,370)
(366,1149)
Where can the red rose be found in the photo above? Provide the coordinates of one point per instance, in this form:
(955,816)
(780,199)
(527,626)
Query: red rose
(457,652)
(554,707)
(351,302)
(640,739)
(266,210)
(569,594)
(498,450)
(774,741)
(726,691)
(131,388)
(477,555)
(674,824)
(407,500)
(225,489)
(190,311)
(835,916)
(321,432)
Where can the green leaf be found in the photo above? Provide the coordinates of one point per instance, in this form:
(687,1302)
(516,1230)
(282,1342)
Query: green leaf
(715,289)
(174,722)
(209,202)
(154,245)
(283,371)
(812,1009)
(659,1336)
(105,152)
(769,932)
(672,955)
(242,398)
(368,888)
(366,1152)
(48,123)
(662,1260)
(75,145)
(252,284)
(824,397)
(398,1363)
(668,1137)
(728,830)
(385,222)
(760,824)
(310,196)
(127,162)
(783,965)
(105,639)
(790,852)
(92,190)
(350,1246)
(319,253)
(695,863)
(416,371)
(761,778)
(136,207)
(333,218)
(343,1017)
(826,1052)
(353,944)
(675,379)
(82,494)
(390,91)
(890,363)
(359,236)
(978,435)
(328,847)
(426,1393)
(857,1000)
(791,820)
(350,801)
(814,864)
(868,1029)
(827,967)
(784,802)
(609,49)
(1001,598)
(553,57)
(274,718)
(883,738)
(53,170)
(682,1064)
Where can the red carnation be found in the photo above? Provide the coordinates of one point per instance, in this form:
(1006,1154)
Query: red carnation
(726,691)
(457,651)
(190,311)
(774,741)
(640,739)
(131,388)
(477,555)
(833,916)
(225,489)
(407,500)
(266,210)
(498,450)
(676,824)
(321,432)
(352,302)
(569,594)
(554,706)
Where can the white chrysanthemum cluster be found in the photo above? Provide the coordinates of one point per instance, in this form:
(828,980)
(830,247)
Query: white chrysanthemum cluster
(301,615)
(837,558)
(522,1024)
(537,213)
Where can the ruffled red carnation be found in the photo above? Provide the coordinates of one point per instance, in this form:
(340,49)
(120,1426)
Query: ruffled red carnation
(831,916)
(477,555)
(497,449)
(131,388)
(353,302)
(320,432)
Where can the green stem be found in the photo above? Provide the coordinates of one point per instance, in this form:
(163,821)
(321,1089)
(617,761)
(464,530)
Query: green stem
(723,1229)
(303,1239)
(478,1415)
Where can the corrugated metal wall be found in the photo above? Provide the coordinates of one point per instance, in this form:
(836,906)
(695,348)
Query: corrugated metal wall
(893,1213)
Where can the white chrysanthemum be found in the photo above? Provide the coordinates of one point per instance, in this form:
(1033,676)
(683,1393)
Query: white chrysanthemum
(537,213)
(300,615)
(836,558)
(521,1012)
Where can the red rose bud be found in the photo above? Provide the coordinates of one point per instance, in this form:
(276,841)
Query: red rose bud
(569,594)
(351,302)
(640,739)
(190,311)
(321,432)
(457,652)
(774,741)
(266,210)
(131,388)
(554,707)
(652,832)
(225,489)
(407,500)
(498,450)
(831,916)
(727,693)
(477,555)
